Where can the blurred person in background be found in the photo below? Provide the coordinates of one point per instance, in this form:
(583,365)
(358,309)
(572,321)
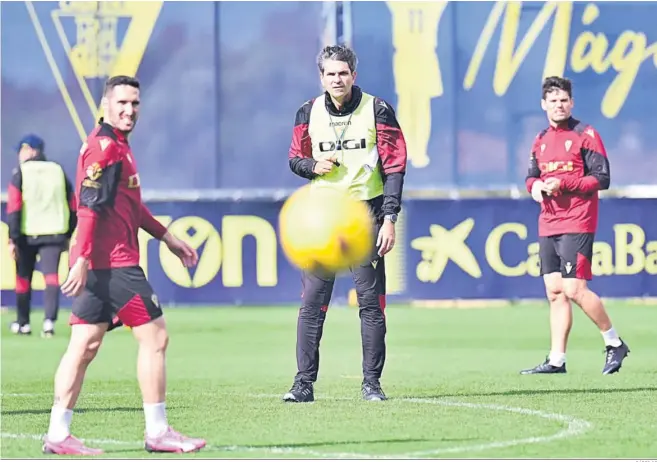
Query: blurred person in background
(568,165)
(350,140)
(41,214)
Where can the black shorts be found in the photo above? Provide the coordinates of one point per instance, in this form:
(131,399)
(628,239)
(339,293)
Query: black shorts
(112,295)
(568,254)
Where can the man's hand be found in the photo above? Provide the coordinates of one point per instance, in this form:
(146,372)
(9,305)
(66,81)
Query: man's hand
(13,250)
(538,188)
(324,166)
(77,278)
(386,238)
(552,186)
(181,249)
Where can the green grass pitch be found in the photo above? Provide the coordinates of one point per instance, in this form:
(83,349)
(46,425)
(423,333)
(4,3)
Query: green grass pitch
(451,376)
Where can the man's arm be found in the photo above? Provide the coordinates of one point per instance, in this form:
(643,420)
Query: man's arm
(150,224)
(72,208)
(15,205)
(301,151)
(533,172)
(391,145)
(101,176)
(596,176)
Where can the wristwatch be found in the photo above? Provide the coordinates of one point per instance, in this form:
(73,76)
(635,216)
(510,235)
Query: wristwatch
(391,218)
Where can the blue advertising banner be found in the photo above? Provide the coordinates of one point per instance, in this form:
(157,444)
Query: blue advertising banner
(240,259)
(488,248)
(447,249)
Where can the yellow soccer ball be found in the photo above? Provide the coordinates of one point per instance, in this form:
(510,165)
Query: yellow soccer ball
(323,229)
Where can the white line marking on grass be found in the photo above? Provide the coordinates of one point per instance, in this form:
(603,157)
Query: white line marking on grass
(22,436)
(574,427)
(140,444)
(82,395)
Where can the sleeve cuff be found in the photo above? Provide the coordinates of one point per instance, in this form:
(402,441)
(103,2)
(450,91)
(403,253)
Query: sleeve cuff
(85,236)
(152,226)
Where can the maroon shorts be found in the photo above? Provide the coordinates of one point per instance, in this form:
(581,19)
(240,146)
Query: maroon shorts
(122,294)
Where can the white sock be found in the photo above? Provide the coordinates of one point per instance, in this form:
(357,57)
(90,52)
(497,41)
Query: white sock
(60,424)
(611,338)
(557,359)
(156,419)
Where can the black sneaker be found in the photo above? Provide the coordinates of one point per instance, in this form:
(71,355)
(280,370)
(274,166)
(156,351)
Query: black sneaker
(301,392)
(372,391)
(614,358)
(545,368)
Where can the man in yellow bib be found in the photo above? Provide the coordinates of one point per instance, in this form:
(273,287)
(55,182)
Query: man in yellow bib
(41,214)
(348,139)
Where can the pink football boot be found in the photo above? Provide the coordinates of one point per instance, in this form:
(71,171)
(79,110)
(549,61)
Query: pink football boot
(172,441)
(71,446)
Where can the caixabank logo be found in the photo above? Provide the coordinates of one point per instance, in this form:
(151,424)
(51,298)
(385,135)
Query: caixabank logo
(86,42)
(629,252)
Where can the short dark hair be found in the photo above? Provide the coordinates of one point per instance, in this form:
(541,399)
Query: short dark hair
(120,80)
(337,53)
(557,83)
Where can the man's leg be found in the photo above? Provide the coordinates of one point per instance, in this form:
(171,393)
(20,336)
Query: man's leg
(577,251)
(315,300)
(88,326)
(139,309)
(151,373)
(82,348)
(24,271)
(370,282)
(561,319)
(49,263)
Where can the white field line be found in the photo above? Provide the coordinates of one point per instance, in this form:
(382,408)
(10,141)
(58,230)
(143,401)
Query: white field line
(82,395)
(574,427)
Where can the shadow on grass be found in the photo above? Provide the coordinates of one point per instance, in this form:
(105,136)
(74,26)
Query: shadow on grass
(344,443)
(77,411)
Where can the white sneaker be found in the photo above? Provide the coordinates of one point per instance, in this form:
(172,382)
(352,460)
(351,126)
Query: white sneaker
(18,329)
(48,328)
